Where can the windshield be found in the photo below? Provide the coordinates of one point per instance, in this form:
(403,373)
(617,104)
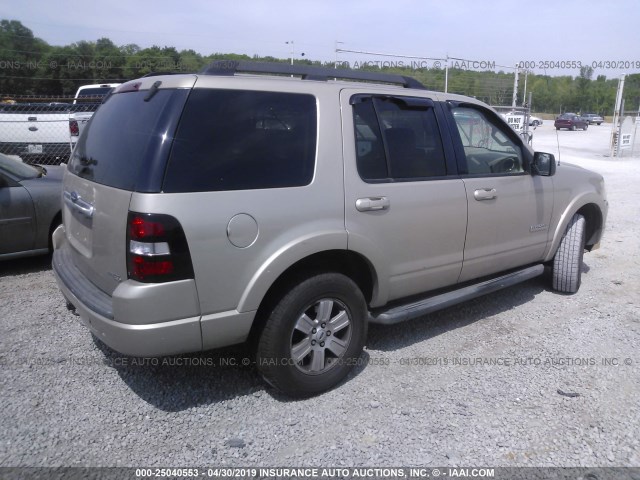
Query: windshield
(17,169)
(92,92)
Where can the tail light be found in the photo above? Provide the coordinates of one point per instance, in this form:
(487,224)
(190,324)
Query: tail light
(73,128)
(157,249)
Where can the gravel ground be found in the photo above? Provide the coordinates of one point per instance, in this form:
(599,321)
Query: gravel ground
(523,377)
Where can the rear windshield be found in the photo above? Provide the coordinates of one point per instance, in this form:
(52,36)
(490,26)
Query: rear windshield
(238,140)
(125,134)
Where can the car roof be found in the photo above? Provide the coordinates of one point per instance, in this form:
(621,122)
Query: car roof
(281,82)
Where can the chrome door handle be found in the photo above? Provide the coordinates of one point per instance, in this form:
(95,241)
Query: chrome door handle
(485,194)
(75,202)
(370,204)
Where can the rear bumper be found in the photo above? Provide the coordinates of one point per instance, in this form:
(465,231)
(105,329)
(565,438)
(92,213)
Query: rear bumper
(96,310)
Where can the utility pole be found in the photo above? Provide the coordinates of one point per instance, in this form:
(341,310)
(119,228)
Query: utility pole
(335,65)
(446,74)
(515,88)
(616,115)
(291,43)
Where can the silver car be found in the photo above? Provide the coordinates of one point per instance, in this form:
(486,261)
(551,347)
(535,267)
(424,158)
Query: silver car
(30,207)
(592,118)
(207,210)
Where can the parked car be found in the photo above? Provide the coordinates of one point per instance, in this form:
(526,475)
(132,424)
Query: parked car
(30,207)
(592,118)
(94,93)
(535,121)
(570,121)
(36,132)
(206,210)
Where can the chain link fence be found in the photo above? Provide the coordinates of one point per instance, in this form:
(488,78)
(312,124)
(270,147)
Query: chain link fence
(43,129)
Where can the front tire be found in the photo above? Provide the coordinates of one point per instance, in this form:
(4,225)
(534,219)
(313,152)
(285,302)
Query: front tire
(313,336)
(567,263)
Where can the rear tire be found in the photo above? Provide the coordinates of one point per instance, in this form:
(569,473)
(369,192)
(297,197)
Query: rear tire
(567,263)
(585,127)
(313,336)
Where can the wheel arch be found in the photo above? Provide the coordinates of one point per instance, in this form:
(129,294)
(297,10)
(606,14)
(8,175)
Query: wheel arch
(346,262)
(594,217)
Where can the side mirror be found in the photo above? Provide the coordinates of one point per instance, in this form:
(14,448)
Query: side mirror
(544,164)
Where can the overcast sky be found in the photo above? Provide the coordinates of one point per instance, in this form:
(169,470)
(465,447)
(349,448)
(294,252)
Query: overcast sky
(501,31)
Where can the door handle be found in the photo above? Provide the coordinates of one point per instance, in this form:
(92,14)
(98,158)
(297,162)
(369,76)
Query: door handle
(75,202)
(370,204)
(485,194)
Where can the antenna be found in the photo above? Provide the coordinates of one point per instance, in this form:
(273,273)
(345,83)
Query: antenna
(558,142)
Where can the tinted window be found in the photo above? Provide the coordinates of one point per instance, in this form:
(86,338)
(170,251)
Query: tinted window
(237,140)
(92,92)
(397,140)
(487,146)
(121,137)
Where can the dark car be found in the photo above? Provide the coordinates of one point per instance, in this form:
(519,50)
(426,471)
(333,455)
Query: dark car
(571,121)
(592,118)
(30,207)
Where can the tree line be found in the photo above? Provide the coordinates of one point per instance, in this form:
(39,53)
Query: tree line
(29,66)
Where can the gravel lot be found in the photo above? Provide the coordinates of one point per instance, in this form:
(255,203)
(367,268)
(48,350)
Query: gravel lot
(523,377)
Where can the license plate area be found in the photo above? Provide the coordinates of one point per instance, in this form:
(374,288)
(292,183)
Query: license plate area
(34,149)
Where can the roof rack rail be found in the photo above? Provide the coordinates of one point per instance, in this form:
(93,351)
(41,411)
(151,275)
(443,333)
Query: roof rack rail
(307,72)
(159,74)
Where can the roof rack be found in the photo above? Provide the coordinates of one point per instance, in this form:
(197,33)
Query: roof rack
(231,67)
(159,74)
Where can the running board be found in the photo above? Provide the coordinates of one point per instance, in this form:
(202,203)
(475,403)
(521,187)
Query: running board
(417,309)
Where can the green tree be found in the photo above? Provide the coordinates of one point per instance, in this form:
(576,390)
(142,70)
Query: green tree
(21,54)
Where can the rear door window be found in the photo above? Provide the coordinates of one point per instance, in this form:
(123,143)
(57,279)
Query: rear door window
(239,140)
(397,139)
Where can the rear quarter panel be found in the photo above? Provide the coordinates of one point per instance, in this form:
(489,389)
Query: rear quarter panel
(293,223)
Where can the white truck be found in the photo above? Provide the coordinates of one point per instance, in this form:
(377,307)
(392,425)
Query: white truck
(46,132)
(86,95)
(36,132)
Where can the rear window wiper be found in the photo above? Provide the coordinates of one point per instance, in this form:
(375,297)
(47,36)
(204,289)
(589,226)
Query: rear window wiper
(153,90)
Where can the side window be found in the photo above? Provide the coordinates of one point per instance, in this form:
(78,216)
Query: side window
(239,140)
(487,147)
(397,140)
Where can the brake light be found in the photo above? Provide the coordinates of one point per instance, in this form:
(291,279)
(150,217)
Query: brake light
(140,228)
(157,249)
(143,268)
(73,128)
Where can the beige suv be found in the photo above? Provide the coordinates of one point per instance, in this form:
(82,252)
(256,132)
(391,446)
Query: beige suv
(280,206)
